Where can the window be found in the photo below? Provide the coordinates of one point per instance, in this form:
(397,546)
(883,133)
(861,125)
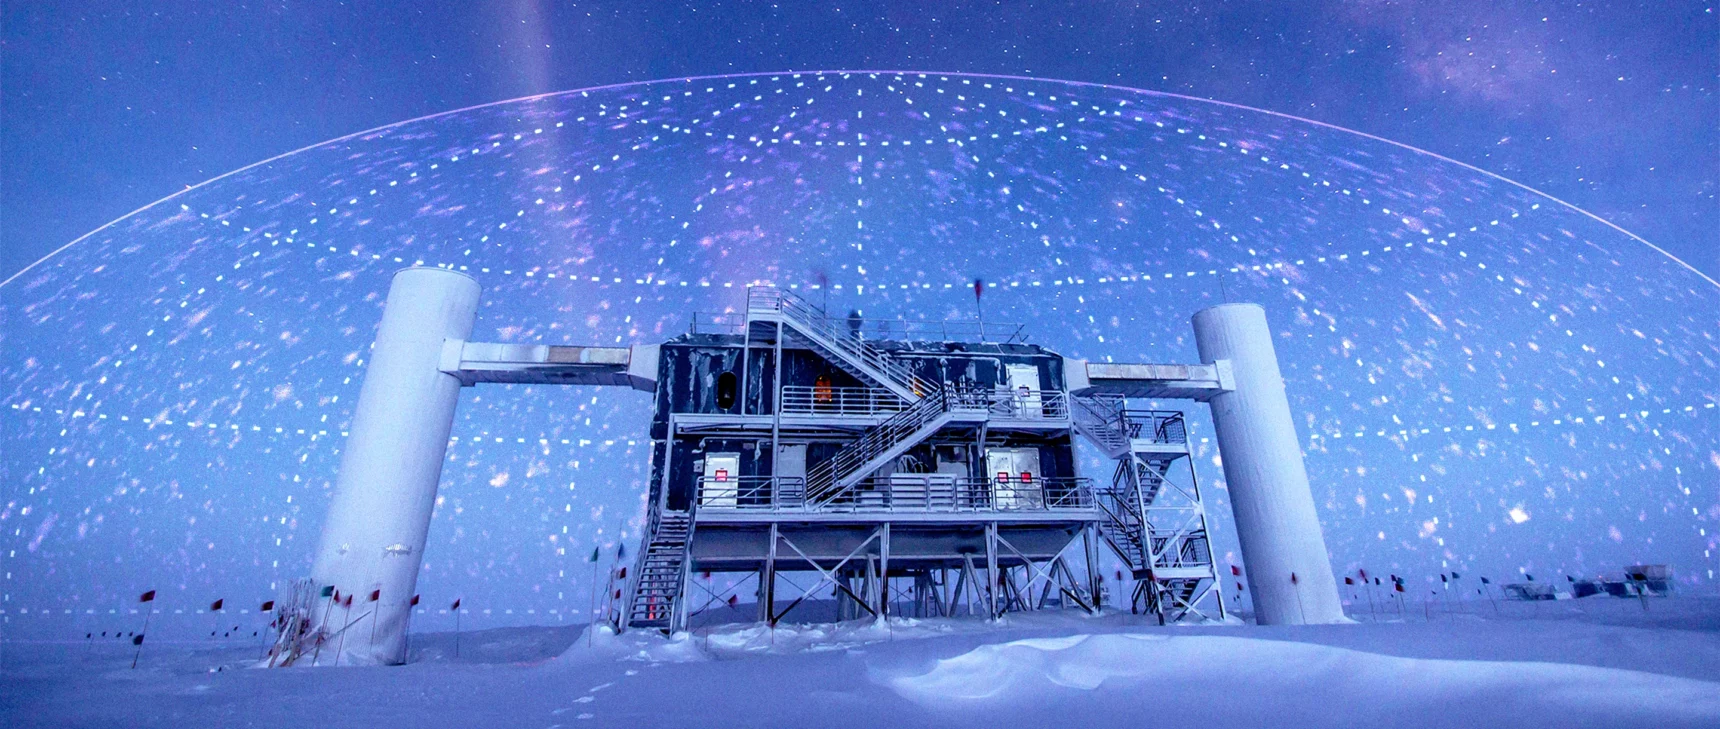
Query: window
(727,386)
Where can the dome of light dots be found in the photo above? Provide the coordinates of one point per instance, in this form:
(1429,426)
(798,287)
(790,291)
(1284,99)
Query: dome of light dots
(1485,379)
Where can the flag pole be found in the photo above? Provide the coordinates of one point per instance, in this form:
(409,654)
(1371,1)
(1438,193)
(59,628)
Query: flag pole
(456,608)
(375,597)
(345,622)
(591,604)
(149,598)
(334,596)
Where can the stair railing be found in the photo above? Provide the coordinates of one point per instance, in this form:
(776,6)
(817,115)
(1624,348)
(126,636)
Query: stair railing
(822,479)
(828,333)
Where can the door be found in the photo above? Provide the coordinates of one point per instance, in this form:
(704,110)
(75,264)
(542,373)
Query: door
(1015,477)
(790,486)
(721,480)
(1024,387)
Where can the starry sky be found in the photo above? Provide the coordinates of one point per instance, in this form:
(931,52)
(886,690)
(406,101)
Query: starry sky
(1608,105)
(1486,380)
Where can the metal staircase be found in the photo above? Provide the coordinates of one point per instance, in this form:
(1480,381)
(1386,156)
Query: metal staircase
(844,348)
(660,573)
(1155,526)
(834,478)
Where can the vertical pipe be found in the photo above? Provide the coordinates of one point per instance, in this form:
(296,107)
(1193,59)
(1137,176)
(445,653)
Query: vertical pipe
(386,489)
(1279,531)
(991,578)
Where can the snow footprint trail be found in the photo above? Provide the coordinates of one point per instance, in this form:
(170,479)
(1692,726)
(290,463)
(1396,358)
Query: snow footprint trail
(1327,686)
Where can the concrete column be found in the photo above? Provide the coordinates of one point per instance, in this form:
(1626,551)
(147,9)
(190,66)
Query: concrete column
(379,518)
(1275,518)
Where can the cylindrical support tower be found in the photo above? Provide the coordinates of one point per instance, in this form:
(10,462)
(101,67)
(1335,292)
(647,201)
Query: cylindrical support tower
(1283,550)
(373,541)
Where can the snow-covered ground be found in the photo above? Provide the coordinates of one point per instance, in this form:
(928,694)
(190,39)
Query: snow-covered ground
(1593,662)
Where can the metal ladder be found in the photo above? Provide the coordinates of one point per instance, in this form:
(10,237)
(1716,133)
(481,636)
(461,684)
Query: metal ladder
(846,349)
(661,572)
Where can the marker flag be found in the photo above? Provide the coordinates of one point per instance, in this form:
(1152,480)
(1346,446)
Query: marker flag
(456,605)
(267,606)
(375,595)
(147,597)
(214,606)
(327,591)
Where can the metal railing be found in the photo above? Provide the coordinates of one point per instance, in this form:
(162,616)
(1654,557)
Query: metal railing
(835,335)
(1025,404)
(1110,421)
(1157,426)
(706,322)
(917,492)
(943,331)
(933,492)
(751,493)
(840,401)
(825,480)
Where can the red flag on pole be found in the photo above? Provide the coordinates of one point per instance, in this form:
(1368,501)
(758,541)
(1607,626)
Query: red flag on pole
(1292,578)
(1349,580)
(1363,574)
(734,599)
(1398,585)
(267,606)
(1236,571)
(375,595)
(978,287)
(348,602)
(414,601)
(147,597)
(456,605)
(214,606)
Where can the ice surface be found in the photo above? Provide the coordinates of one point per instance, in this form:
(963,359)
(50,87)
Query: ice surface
(1486,381)
(1586,663)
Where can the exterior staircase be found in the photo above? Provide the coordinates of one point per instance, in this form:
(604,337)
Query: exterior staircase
(833,479)
(841,346)
(659,574)
(1157,530)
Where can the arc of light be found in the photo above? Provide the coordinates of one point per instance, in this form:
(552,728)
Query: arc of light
(689,79)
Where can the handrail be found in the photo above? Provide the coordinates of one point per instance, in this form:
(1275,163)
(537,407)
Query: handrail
(1157,426)
(848,343)
(932,492)
(751,493)
(706,322)
(1025,404)
(840,401)
(822,479)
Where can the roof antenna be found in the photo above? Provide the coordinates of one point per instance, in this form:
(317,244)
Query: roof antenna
(1222,292)
(979,291)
